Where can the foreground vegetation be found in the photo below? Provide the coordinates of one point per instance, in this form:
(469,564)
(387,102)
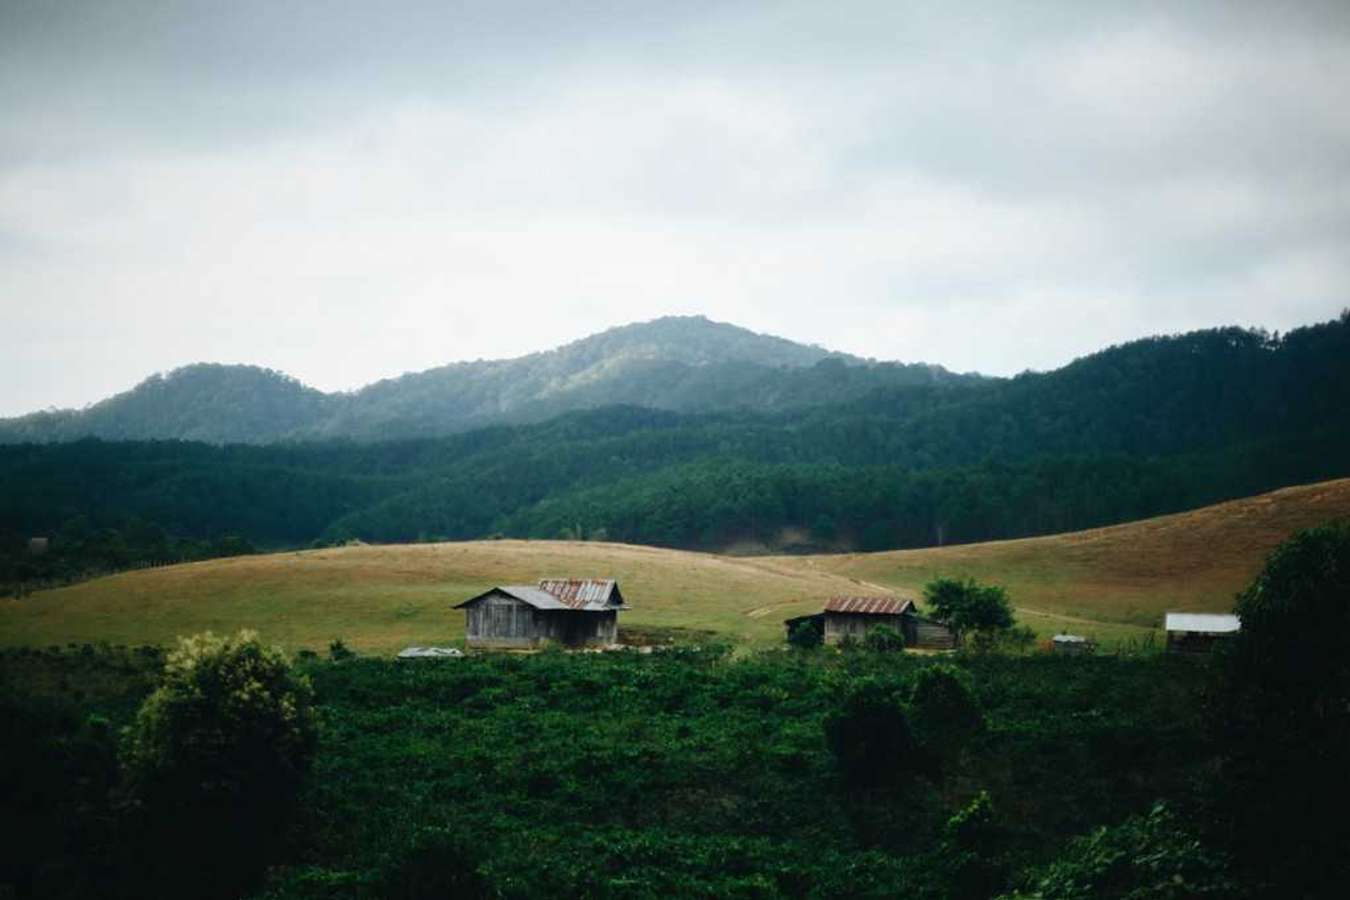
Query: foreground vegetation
(678,773)
(857,772)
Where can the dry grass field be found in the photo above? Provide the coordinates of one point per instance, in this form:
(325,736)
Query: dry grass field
(378,599)
(1113,583)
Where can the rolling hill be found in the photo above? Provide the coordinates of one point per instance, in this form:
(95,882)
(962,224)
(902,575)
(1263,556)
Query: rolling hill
(1113,582)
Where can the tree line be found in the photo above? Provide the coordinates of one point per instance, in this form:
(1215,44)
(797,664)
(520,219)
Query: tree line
(1147,428)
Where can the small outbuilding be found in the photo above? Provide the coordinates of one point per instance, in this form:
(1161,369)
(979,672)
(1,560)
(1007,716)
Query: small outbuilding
(852,617)
(1197,633)
(569,611)
(1072,644)
(38,546)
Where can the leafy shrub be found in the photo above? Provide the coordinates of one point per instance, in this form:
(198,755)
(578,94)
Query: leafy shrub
(1151,857)
(870,736)
(338,651)
(974,852)
(440,863)
(806,635)
(1282,712)
(884,639)
(215,756)
(968,607)
(944,712)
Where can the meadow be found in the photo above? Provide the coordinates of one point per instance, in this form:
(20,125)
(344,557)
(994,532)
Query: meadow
(1110,583)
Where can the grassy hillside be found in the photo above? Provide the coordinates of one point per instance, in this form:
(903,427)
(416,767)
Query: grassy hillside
(1111,582)
(1118,581)
(382,598)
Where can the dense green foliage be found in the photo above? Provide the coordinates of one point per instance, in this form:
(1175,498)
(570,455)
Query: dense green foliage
(1152,427)
(945,714)
(969,608)
(883,639)
(213,760)
(1148,857)
(624,775)
(673,363)
(806,635)
(1281,707)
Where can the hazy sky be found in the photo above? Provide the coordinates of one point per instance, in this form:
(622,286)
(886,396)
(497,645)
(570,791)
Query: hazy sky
(347,191)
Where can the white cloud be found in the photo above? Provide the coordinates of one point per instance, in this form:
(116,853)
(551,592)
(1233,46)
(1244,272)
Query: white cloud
(990,193)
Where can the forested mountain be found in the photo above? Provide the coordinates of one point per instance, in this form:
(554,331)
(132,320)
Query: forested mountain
(678,363)
(1149,427)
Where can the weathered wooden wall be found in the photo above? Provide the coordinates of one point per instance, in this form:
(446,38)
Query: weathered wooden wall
(1193,643)
(925,634)
(502,621)
(855,625)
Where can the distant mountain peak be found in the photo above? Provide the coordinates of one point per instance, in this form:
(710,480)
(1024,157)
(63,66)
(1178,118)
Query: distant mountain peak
(684,363)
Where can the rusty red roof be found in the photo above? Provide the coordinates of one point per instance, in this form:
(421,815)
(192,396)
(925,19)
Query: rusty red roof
(876,606)
(584,593)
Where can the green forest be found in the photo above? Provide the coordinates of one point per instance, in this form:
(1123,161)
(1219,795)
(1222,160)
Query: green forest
(1150,427)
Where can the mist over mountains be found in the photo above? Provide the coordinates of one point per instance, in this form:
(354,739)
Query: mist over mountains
(687,364)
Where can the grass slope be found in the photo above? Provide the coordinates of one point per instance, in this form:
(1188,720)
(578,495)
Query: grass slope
(382,598)
(1113,583)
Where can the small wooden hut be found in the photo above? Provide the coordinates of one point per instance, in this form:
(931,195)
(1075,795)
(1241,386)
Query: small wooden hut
(38,546)
(569,611)
(1196,633)
(852,617)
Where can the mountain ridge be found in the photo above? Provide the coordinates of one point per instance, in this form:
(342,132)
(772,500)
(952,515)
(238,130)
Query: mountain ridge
(684,363)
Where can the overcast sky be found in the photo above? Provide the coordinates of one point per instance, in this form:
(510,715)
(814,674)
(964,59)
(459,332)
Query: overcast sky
(348,191)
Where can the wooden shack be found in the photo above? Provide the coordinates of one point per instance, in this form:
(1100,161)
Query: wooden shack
(1195,634)
(38,546)
(852,617)
(572,612)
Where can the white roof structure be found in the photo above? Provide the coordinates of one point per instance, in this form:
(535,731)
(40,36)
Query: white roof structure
(1203,623)
(1069,639)
(430,653)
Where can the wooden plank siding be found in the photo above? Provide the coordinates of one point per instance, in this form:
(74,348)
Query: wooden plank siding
(855,625)
(925,634)
(499,620)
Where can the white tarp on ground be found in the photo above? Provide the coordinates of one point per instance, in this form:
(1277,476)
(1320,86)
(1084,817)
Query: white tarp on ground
(429,653)
(1204,623)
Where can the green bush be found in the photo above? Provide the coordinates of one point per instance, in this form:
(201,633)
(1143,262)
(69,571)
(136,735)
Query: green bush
(974,851)
(1281,712)
(970,608)
(870,736)
(806,635)
(944,713)
(440,863)
(215,756)
(1151,857)
(883,639)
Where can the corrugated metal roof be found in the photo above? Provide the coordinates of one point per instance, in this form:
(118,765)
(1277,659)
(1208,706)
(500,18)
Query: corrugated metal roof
(877,606)
(581,594)
(526,593)
(1069,639)
(584,593)
(1205,623)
